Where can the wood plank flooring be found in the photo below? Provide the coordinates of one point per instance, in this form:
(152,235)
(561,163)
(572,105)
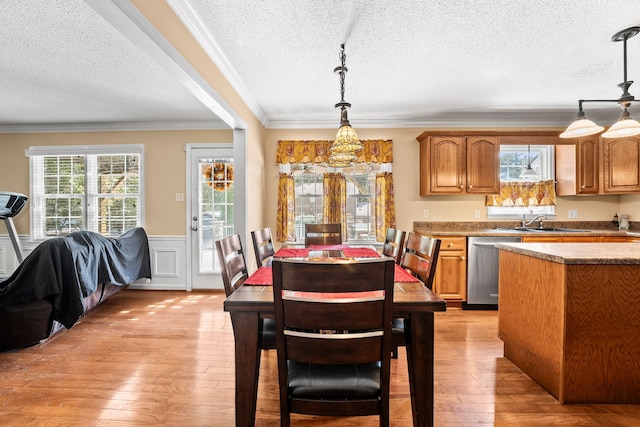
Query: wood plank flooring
(165,358)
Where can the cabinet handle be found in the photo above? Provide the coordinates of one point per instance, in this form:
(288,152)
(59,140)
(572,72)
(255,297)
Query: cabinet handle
(450,245)
(471,186)
(462,258)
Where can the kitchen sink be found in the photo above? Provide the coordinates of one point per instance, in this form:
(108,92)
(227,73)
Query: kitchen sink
(542,230)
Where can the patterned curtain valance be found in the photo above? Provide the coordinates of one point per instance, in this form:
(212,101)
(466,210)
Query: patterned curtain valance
(520,194)
(298,151)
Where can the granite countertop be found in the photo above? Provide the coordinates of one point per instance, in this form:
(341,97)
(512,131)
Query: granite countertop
(506,228)
(578,253)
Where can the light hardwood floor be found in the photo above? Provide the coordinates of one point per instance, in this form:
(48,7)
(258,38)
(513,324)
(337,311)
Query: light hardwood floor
(147,358)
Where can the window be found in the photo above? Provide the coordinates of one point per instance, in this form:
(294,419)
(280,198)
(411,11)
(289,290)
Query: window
(308,177)
(513,160)
(95,188)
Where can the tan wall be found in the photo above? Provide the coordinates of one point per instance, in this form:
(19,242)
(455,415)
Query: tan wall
(630,205)
(164,169)
(409,204)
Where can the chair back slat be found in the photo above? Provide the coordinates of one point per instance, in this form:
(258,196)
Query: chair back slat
(333,332)
(262,246)
(233,265)
(420,257)
(322,234)
(394,244)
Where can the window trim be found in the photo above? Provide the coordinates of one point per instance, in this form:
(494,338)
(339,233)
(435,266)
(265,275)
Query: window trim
(382,167)
(547,171)
(82,150)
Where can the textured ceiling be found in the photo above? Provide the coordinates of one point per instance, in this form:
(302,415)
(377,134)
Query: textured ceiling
(411,63)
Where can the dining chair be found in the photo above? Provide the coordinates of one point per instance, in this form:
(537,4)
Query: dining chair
(233,268)
(322,234)
(333,336)
(420,258)
(394,244)
(263,246)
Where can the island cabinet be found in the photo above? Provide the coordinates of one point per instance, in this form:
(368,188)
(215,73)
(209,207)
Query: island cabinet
(620,165)
(459,165)
(450,281)
(569,318)
(577,167)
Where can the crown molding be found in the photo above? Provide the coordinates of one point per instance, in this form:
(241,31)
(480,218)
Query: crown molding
(113,127)
(189,17)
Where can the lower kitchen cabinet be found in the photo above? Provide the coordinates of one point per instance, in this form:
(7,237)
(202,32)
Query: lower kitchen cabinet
(450,281)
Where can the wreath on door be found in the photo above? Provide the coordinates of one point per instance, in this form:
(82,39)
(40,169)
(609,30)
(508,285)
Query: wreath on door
(219,177)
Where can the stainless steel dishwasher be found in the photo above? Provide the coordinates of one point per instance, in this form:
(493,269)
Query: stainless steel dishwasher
(482,271)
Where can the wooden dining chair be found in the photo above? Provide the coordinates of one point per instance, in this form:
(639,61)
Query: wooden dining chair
(262,246)
(322,234)
(233,268)
(333,335)
(394,244)
(420,258)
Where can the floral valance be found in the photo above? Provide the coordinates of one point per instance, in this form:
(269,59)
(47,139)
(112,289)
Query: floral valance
(317,151)
(518,194)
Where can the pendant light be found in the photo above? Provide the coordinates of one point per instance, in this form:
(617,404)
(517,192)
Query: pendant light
(528,172)
(342,152)
(625,126)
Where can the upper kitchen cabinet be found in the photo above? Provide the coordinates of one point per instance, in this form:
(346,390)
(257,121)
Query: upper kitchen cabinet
(577,167)
(620,165)
(459,165)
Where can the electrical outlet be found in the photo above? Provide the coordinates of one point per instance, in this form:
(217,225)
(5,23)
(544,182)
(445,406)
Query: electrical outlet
(476,214)
(179,197)
(573,214)
(425,213)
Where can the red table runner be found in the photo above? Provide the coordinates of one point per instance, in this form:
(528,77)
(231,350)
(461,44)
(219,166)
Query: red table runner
(327,247)
(292,252)
(264,276)
(360,252)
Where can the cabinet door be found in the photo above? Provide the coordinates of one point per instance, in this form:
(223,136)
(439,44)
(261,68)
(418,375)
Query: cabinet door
(577,167)
(447,174)
(450,281)
(483,165)
(621,165)
(587,167)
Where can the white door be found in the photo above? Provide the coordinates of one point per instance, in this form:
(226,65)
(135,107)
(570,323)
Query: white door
(211,211)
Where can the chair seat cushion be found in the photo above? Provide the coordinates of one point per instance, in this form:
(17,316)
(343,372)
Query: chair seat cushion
(316,381)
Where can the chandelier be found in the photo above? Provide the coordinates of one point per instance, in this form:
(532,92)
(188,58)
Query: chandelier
(342,152)
(625,126)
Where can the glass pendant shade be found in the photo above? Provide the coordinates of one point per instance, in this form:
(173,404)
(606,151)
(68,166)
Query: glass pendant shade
(623,128)
(346,141)
(342,151)
(528,173)
(581,127)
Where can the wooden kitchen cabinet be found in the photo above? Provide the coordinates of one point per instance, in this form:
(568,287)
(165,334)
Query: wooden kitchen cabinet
(459,165)
(620,165)
(577,167)
(450,281)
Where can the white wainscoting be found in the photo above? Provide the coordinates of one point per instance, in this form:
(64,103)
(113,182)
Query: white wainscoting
(168,261)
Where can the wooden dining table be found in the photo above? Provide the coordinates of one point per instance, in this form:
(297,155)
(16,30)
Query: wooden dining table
(412,301)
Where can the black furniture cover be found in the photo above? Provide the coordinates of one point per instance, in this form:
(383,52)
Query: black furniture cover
(64,270)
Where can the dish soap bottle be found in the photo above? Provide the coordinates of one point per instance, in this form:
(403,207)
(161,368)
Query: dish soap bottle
(624,222)
(615,220)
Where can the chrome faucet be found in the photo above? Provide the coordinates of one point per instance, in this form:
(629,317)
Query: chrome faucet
(538,218)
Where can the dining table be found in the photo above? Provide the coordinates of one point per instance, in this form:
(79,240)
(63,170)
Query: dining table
(412,301)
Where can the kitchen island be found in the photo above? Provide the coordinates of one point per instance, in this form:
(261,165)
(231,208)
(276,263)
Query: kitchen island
(569,317)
